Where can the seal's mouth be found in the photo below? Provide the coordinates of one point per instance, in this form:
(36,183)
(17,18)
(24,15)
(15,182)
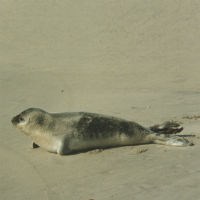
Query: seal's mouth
(17,119)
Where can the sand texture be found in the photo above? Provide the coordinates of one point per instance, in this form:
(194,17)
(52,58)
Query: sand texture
(138,60)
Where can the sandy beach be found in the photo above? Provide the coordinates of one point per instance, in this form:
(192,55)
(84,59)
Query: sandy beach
(137,60)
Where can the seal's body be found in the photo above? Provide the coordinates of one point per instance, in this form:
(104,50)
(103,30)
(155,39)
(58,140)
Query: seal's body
(65,133)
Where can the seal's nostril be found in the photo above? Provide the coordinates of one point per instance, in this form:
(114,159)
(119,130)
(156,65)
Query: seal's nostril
(13,120)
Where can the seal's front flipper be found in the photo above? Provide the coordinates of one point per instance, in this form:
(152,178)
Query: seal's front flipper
(169,127)
(34,145)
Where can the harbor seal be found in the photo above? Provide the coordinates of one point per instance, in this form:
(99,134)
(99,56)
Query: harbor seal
(66,133)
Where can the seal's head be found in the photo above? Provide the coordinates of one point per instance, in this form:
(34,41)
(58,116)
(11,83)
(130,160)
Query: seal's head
(30,119)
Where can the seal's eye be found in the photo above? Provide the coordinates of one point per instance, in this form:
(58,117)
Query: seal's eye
(21,119)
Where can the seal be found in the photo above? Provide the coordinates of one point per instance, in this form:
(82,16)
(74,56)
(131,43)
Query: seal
(71,132)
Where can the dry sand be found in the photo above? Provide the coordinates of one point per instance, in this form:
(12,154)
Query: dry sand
(133,59)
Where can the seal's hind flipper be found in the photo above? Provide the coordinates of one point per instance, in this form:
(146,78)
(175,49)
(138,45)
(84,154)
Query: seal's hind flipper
(169,127)
(172,140)
(34,145)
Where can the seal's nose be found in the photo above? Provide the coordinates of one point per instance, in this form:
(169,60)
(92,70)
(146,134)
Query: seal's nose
(15,120)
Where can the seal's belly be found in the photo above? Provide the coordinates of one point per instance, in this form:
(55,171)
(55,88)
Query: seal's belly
(118,140)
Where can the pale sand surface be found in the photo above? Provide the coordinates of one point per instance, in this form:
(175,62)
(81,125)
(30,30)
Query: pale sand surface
(137,60)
